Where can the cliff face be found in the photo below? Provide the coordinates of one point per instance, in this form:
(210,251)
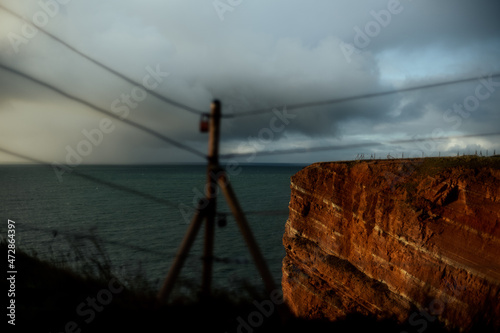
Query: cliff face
(411,240)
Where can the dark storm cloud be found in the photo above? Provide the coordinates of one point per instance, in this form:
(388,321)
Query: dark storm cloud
(261,55)
(424,23)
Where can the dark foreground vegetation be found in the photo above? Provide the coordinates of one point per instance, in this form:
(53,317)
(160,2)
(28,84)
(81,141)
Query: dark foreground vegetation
(51,298)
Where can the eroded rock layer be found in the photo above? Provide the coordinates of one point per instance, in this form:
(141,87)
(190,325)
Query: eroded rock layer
(396,239)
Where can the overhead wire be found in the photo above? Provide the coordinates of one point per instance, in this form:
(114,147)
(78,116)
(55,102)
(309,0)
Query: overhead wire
(91,236)
(297,106)
(109,69)
(347,146)
(187,108)
(129,190)
(97,180)
(256,111)
(241,114)
(261,153)
(108,113)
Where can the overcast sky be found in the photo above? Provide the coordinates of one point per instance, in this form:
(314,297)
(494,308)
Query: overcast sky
(250,55)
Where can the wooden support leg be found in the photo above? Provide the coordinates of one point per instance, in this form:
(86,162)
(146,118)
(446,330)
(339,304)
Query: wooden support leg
(247,233)
(208,249)
(182,253)
(234,205)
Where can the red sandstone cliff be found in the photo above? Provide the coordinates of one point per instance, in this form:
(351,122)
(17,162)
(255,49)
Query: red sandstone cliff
(412,240)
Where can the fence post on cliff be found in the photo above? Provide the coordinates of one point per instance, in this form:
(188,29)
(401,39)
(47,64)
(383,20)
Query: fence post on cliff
(211,195)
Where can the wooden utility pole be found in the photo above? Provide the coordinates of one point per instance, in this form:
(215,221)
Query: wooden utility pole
(211,195)
(207,210)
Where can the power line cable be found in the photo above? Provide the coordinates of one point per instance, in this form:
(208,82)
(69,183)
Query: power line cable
(256,111)
(126,190)
(98,181)
(352,98)
(109,69)
(110,114)
(55,232)
(134,191)
(347,146)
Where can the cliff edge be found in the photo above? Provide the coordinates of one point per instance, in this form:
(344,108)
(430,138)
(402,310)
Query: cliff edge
(415,240)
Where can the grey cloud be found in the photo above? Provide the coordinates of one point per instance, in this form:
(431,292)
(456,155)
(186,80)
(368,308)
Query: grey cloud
(263,55)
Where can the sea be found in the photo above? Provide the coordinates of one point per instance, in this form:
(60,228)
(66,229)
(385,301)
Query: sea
(133,219)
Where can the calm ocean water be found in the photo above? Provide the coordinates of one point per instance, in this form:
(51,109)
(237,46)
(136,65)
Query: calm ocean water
(55,218)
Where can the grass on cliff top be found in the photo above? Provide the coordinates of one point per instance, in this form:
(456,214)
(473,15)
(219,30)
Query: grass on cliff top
(419,168)
(433,165)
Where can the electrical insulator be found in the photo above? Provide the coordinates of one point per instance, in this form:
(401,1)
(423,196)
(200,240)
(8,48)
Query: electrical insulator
(204,123)
(222,222)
